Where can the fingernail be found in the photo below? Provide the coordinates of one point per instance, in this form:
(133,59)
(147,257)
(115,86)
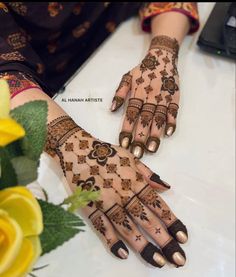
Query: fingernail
(113,106)
(137,151)
(169,131)
(152,147)
(181,236)
(178,259)
(159,259)
(120,250)
(156,178)
(122,253)
(125,142)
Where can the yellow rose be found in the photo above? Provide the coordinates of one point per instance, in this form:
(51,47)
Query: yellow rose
(21,223)
(10,130)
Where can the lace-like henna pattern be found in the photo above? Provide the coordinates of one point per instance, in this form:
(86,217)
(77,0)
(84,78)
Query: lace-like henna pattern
(133,109)
(111,168)
(136,209)
(147,113)
(125,82)
(149,197)
(118,216)
(149,62)
(160,115)
(101,152)
(59,131)
(165,43)
(169,84)
(98,223)
(173,109)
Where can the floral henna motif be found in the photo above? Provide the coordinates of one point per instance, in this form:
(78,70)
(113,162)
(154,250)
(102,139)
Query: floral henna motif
(87,184)
(166,214)
(169,84)
(81,159)
(94,170)
(147,114)
(160,115)
(139,81)
(118,216)
(158,98)
(136,209)
(173,109)
(133,109)
(126,184)
(83,144)
(98,223)
(111,168)
(149,62)
(107,184)
(124,161)
(69,147)
(101,152)
(139,177)
(149,197)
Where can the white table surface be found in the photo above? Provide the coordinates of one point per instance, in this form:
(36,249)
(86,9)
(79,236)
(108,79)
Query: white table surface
(199,160)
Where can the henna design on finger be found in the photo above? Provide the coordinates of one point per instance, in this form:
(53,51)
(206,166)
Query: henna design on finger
(101,152)
(126,184)
(152,76)
(133,109)
(149,62)
(139,81)
(160,115)
(139,177)
(168,98)
(118,216)
(134,144)
(120,250)
(125,138)
(170,129)
(141,134)
(98,223)
(149,197)
(164,72)
(118,102)
(125,81)
(152,144)
(166,214)
(157,230)
(136,209)
(147,113)
(156,178)
(169,84)
(173,109)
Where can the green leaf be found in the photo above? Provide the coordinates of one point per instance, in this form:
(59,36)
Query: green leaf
(26,169)
(59,226)
(8,176)
(80,198)
(33,117)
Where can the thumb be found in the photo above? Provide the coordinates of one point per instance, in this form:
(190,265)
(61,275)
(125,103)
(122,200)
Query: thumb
(121,92)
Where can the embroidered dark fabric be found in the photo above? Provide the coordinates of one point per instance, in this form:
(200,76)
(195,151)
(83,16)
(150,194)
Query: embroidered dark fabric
(51,40)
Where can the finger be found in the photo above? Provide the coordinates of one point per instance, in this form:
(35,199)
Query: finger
(157,128)
(152,178)
(152,200)
(106,232)
(127,229)
(153,226)
(121,92)
(172,112)
(142,129)
(132,112)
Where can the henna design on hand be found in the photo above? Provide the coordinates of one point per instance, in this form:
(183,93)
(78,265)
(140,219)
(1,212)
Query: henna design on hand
(149,62)
(101,152)
(98,223)
(169,84)
(125,82)
(158,98)
(160,115)
(165,43)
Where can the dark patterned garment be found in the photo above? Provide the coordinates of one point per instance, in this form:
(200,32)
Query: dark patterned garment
(49,41)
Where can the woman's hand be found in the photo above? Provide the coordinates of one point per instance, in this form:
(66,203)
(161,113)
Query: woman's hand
(154,99)
(128,194)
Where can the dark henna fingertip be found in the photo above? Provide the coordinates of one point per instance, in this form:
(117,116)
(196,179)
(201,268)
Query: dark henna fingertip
(156,178)
(174,253)
(179,231)
(152,254)
(120,250)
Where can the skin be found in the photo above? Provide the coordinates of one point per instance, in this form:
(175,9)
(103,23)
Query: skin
(175,26)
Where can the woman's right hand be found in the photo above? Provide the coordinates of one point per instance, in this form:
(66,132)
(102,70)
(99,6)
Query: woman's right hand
(128,194)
